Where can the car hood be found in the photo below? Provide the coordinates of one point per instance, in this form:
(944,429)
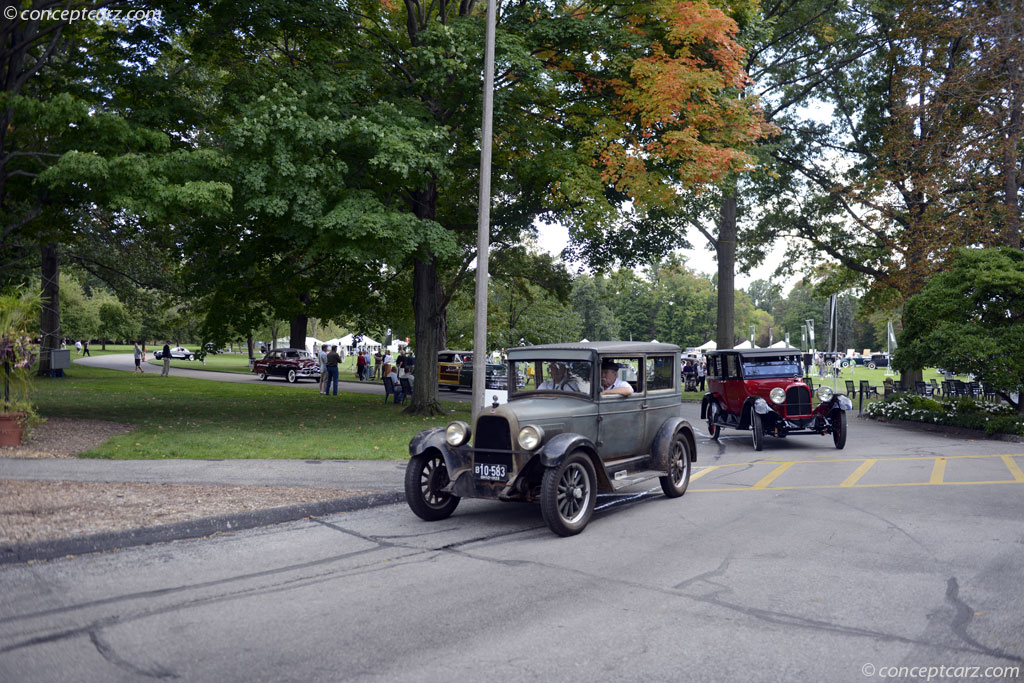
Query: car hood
(763,386)
(547,410)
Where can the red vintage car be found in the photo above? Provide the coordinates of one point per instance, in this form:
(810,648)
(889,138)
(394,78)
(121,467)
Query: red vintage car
(292,364)
(762,390)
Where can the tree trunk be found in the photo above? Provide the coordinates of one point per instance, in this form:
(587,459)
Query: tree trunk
(429,311)
(726,249)
(300,323)
(248,341)
(49,317)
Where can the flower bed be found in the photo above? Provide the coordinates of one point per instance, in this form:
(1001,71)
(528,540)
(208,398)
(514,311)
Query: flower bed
(954,412)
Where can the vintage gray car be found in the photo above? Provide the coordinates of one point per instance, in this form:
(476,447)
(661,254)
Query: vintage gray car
(586,417)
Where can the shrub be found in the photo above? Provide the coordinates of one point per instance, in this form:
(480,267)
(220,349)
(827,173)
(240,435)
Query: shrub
(959,412)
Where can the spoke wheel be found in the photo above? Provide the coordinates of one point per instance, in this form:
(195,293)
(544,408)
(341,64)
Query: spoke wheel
(871,366)
(714,430)
(292,377)
(678,478)
(425,476)
(756,431)
(569,494)
(839,429)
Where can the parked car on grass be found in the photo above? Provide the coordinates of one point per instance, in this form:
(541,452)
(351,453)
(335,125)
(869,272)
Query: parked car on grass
(292,364)
(178,352)
(762,390)
(560,441)
(878,360)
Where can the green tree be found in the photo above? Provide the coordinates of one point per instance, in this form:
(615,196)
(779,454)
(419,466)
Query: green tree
(970,319)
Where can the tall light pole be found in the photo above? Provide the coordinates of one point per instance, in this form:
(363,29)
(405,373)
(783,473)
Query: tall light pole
(484,220)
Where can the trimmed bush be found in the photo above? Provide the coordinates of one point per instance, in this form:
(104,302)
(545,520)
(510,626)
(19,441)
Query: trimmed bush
(959,412)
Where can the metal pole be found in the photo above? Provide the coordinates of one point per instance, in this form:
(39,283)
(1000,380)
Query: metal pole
(483,221)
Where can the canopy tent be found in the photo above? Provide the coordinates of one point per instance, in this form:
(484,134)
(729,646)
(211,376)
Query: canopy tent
(710,345)
(745,344)
(584,341)
(345,343)
(655,341)
(781,344)
(283,342)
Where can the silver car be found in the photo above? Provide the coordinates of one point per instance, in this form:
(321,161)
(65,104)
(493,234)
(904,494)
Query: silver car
(585,418)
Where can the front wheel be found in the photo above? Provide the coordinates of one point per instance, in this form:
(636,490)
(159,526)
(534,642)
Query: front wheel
(871,366)
(839,429)
(292,377)
(714,430)
(678,478)
(425,476)
(569,494)
(262,376)
(190,357)
(757,431)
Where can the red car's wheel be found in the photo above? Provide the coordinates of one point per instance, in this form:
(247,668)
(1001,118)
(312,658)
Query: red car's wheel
(839,429)
(714,430)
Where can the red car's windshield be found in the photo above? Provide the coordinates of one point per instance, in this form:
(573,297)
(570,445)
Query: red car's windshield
(777,366)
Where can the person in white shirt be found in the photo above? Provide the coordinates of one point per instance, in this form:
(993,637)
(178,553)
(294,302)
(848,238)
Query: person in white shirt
(388,362)
(560,379)
(610,382)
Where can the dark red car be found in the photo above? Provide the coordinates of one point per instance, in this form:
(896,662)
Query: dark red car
(763,390)
(292,364)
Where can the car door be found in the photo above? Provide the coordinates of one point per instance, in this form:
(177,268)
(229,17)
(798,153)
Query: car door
(735,391)
(622,419)
(662,387)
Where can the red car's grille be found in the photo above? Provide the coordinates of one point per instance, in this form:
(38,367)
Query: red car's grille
(798,401)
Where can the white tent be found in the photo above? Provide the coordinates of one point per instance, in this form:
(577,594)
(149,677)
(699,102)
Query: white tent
(655,341)
(283,342)
(708,346)
(584,341)
(781,344)
(346,343)
(745,344)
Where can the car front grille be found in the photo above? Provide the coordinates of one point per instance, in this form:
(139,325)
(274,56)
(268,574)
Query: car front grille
(798,401)
(493,436)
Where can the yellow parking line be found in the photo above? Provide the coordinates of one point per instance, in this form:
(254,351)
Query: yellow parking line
(859,486)
(858,473)
(938,471)
(775,474)
(1018,475)
(902,457)
(698,475)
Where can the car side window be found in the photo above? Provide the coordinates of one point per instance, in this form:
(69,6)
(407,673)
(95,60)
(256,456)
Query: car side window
(732,367)
(659,373)
(630,370)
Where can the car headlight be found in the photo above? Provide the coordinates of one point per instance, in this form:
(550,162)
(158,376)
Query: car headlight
(824,393)
(530,437)
(457,433)
(777,395)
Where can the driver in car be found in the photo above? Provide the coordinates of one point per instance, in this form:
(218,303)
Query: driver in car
(610,382)
(560,379)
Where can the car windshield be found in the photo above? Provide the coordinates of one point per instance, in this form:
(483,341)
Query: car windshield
(771,366)
(570,376)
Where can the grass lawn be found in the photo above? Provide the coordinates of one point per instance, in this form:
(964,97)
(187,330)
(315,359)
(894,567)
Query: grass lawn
(186,418)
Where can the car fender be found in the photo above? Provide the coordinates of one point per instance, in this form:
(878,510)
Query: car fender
(758,405)
(559,446)
(660,447)
(837,402)
(704,403)
(433,439)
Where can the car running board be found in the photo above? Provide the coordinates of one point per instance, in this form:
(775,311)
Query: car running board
(623,479)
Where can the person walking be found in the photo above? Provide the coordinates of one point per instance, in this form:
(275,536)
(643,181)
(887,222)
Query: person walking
(85,348)
(137,352)
(702,371)
(332,361)
(78,347)
(376,365)
(360,366)
(322,357)
(166,372)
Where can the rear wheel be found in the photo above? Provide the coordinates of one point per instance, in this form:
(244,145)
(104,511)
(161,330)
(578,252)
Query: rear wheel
(839,428)
(757,431)
(425,476)
(569,494)
(678,478)
(714,430)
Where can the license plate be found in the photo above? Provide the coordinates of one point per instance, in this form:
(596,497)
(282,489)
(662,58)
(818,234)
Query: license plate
(484,470)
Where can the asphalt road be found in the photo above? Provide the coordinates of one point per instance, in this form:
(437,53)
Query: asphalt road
(796,563)
(126,362)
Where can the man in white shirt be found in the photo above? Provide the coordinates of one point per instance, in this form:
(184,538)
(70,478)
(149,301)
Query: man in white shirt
(560,380)
(610,382)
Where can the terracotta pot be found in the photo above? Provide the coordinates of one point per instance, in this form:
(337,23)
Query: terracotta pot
(11,427)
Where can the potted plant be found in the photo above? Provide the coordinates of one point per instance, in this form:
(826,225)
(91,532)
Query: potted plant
(18,314)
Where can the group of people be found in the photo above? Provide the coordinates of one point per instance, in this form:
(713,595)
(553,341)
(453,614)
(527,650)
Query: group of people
(82,347)
(139,352)
(695,372)
(379,365)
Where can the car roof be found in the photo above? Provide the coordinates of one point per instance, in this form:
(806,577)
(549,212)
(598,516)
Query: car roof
(602,347)
(784,351)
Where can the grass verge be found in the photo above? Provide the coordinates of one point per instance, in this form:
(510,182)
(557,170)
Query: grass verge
(178,417)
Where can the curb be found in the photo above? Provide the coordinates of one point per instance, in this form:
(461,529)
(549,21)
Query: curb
(946,429)
(198,528)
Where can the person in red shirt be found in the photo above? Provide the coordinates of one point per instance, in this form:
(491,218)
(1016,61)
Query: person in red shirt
(361,366)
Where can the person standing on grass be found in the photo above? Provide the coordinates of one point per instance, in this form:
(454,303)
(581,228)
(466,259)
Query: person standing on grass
(322,357)
(166,372)
(376,364)
(332,361)
(388,362)
(138,358)
(78,347)
(360,365)
(85,348)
